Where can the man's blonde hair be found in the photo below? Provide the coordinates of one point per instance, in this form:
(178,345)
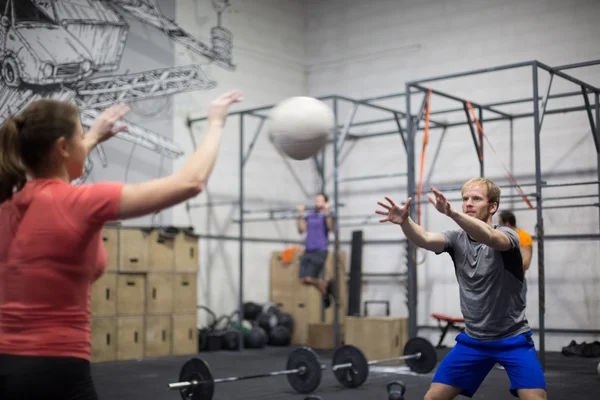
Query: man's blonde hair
(493,190)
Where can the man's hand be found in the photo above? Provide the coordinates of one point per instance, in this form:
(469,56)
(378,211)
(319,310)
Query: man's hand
(440,202)
(103,127)
(300,222)
(394,213)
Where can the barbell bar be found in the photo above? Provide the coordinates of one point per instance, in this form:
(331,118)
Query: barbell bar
(351,367)
(373,362)
(304,370)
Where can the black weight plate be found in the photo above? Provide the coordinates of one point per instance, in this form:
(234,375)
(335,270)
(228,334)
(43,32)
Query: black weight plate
(356,375)
(428,360)
(310,380)
(197,370)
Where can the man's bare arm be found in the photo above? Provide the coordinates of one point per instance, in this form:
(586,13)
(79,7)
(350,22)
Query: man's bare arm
(329,222)
(301,224)
(431,241)
(399,215)
(482,232)
(475,228)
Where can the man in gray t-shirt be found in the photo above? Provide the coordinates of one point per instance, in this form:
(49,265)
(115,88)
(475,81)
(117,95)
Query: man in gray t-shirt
(488,266)
(490,284)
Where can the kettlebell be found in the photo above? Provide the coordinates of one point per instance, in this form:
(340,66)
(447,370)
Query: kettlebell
(395,394)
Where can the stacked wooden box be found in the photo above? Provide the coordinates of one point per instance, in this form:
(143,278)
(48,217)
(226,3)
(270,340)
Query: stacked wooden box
(391,334)
(304,302)
(145,303)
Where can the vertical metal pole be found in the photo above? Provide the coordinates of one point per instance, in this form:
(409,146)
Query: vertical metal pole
(511,160)
(597,133)
(323,171)
(540,218)
(336,225)
(322,189)
(410,247)
(241,202)
(480,134)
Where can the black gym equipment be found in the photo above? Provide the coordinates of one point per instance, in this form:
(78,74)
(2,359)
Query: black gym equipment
(395,394)
(256,338)
(280,336)
(207,340)
(351,368)
(355,282)
(251,310)
(267,321)
(304,372)
(229,340)
(271,308)
(287,320)
(427,360)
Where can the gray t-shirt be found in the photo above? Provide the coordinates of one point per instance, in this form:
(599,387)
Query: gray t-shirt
(491,285)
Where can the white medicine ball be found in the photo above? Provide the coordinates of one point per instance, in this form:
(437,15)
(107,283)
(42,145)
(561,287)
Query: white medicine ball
(300,126)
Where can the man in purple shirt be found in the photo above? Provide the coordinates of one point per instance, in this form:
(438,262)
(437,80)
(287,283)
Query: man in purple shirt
(316,223)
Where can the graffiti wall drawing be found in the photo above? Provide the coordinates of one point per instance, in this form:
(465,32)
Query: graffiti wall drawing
(71,50)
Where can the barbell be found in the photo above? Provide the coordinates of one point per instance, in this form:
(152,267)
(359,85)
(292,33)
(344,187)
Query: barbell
(304,370)
(351,367)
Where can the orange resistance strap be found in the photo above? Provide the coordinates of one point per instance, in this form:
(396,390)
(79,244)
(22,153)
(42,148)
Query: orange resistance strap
(483,135)
(425,140)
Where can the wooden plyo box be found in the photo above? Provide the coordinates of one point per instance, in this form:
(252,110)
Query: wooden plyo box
(321,336)
(377,337)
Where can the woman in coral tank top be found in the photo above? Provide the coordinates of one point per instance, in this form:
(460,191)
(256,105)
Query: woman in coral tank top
(51,249)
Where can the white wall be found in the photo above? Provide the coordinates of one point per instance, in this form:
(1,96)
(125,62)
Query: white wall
(268,49)
(364,49)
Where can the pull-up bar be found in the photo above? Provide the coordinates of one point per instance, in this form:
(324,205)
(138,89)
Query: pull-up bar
(286,209)
(367,177)
(458,188)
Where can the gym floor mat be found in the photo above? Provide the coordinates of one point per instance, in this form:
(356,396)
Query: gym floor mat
(567,378)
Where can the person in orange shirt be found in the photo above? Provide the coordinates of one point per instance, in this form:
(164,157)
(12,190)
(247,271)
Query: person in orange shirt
(51,249)
(507,218)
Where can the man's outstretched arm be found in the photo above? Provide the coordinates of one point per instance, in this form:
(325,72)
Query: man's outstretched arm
(475,228)
(431,241)
(482,232)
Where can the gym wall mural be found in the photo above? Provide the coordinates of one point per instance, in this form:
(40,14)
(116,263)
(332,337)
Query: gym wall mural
(73,50)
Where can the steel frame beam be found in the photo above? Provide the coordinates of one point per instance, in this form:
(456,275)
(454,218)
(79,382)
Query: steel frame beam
(538,116)
(408,134)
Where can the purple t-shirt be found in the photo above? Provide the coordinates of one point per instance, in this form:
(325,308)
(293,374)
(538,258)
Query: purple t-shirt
(316,231)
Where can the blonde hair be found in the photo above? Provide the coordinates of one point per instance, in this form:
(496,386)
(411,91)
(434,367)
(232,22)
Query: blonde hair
(493,190)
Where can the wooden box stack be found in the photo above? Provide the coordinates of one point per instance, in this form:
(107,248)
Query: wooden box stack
(391,334)
(145,303)
(305,302)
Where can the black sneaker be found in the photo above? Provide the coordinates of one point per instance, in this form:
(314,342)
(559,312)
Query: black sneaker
(326,301)
(331,288)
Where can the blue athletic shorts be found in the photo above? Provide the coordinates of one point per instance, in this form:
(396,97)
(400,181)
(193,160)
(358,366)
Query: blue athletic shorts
(470,361)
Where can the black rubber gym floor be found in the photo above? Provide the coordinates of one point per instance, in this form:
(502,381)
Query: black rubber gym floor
(567,377)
